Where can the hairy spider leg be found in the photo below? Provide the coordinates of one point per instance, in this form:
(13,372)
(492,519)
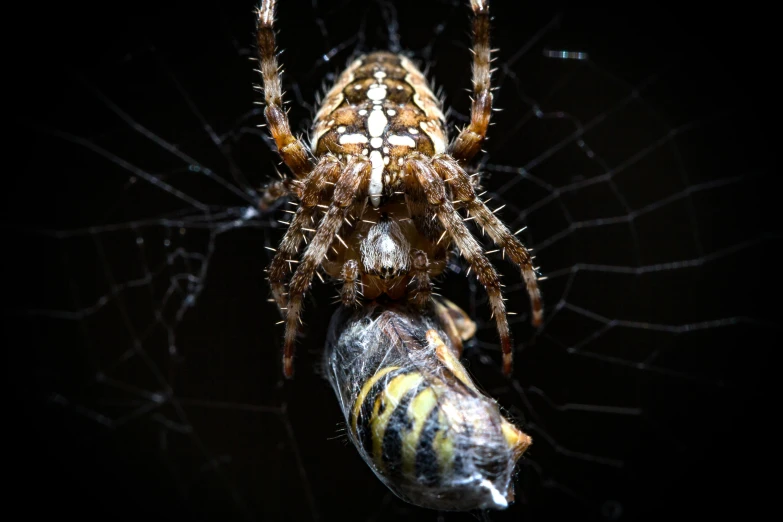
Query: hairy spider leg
(435,190)
(468,142)
(351,185)
(461,187)
(317,183)
(292,151)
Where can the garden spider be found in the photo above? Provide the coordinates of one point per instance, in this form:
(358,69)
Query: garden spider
(390,185)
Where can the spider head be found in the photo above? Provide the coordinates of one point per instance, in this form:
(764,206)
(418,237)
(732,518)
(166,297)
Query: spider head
(385,251)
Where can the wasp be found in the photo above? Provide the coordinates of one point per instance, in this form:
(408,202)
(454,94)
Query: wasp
(413,412)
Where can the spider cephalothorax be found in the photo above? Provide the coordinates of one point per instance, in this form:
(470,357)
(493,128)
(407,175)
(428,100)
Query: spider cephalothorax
(380,189)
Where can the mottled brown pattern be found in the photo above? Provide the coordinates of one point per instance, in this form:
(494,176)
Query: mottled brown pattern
(410,108)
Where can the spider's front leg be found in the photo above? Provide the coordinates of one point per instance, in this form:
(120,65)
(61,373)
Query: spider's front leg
(293,153)
(461,187)
(351,185)
(324,174)
(419,170)
(468,142)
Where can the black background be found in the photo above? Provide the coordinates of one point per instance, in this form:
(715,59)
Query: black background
(713,68)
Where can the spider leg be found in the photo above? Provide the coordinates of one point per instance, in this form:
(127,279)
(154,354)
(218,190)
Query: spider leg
(435,190)
(291,150)
(463,192)
(351,184)
(469,140)
(350,277)
(327,171)
(425,220)
(421,292)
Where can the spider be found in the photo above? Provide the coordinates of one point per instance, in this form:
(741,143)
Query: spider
(389,184)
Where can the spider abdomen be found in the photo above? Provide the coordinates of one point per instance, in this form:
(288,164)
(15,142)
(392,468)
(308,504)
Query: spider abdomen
(380,107)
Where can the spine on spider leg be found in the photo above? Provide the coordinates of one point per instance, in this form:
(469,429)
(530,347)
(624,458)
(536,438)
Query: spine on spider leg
(414,414)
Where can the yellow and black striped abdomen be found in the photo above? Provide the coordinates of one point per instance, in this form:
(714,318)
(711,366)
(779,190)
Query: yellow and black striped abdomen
(415,415)
(398,421)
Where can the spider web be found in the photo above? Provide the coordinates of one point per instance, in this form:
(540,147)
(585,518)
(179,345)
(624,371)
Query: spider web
(637,169)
